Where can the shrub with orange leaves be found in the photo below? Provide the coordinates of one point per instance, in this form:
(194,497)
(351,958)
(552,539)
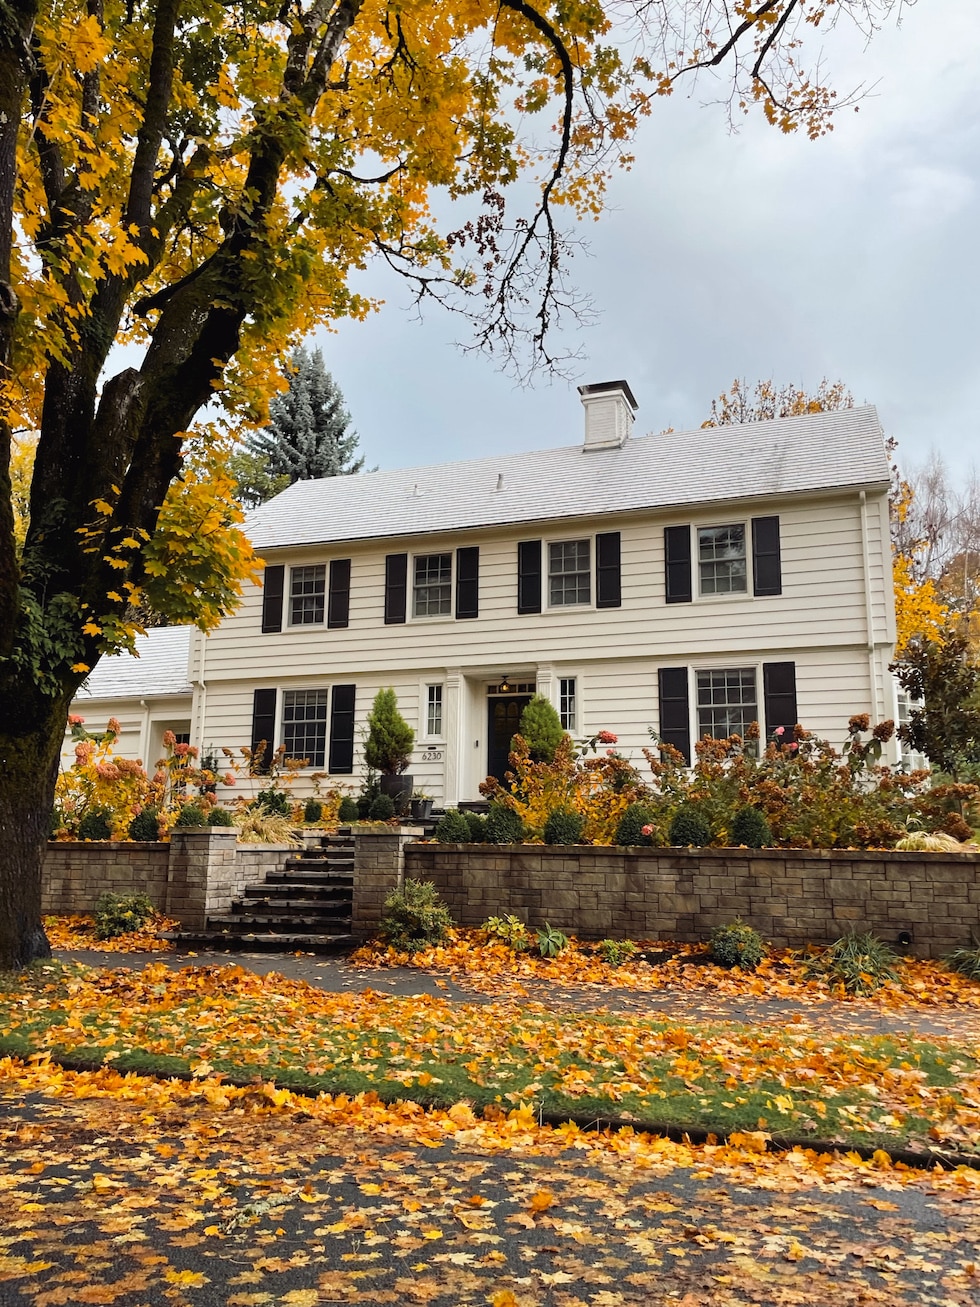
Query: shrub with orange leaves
(597,786)
(98,780)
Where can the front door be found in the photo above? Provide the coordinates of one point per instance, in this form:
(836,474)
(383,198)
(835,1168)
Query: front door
(503,719)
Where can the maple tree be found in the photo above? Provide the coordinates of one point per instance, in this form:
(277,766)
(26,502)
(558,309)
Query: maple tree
(197,180)
(741,403)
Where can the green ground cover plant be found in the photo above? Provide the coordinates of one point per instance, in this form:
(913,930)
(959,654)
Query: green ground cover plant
(878,1091)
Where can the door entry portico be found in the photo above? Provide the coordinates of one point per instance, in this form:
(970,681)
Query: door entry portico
(503,718)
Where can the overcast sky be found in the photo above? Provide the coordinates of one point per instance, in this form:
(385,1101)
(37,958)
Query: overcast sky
(748,255)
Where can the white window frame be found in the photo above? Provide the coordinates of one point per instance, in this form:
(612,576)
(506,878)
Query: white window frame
(572,726)
(427,706)
(415,587)
(578,605)
(722,595)
(319,620)
(307,689)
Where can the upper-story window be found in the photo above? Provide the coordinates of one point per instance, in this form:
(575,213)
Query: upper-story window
(307,587)
(432,594)
(722,559)
(569,573)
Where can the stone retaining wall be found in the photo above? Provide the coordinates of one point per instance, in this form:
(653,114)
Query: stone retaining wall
(791,896)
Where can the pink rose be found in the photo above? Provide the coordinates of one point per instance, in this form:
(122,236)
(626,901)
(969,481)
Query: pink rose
(646,830)
(75,720)
(229,778)
(181,750)
(794,745)
(780,730)
(606,737)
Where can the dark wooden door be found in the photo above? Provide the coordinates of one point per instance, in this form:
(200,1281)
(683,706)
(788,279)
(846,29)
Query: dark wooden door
(503,719)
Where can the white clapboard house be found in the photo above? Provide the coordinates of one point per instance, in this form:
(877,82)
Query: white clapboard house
(683,583)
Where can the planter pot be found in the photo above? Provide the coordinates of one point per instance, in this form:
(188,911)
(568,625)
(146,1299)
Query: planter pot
(400,789)
(421,809)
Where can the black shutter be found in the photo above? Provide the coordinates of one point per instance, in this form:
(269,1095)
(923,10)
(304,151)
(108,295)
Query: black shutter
(779,685)
(468,581)
(608,586)
(396,588)
(273,585)
(263,727)
(677,556)
(338,598)
(767,575)
(675,711)
(529,576)
(341,757)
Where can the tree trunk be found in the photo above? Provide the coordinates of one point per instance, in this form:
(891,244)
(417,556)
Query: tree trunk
(28,769)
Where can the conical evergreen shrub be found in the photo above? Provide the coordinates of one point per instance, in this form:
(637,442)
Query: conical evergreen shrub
(541,728)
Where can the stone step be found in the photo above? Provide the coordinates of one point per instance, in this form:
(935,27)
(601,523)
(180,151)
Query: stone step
(319,863)
(261,923)
(286,910)
(282,891)
(296,876)
(261,943)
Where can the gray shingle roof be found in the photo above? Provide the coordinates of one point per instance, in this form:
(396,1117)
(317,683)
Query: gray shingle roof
(820,451)
(160,669)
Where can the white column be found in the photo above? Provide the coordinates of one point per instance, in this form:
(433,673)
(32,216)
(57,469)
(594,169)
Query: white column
(546,682)
(454,711)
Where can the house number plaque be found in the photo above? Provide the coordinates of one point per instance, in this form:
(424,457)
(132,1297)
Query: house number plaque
(432,755)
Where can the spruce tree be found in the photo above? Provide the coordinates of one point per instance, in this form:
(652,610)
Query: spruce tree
(307,436)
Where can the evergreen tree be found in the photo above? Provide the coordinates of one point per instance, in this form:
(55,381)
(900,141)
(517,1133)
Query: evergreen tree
(307,436)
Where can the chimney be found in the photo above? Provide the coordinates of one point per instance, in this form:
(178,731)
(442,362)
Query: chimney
(609,409)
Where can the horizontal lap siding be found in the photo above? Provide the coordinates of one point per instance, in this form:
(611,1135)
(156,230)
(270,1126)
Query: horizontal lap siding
(822,603)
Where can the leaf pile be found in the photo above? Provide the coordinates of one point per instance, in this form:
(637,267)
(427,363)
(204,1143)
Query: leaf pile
(485,962)
(77,931)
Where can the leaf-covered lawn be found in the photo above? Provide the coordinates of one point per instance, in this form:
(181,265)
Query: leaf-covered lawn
(887,1091)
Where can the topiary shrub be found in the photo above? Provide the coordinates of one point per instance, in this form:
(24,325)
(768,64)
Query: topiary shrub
(563,827)
(750,827)
(415,917)
(220,817)
(504,825)
(273,801)
(118,914)
(859,964)
(382,808)
(145,826)
(191,815)
(541,729)
(96,825)
(453,828)
(388,746)
(348,810)
(689,829)
(312,810)
(478,827)
(737,945)
(629,832)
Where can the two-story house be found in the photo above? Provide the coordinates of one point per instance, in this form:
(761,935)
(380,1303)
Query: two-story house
(685,583)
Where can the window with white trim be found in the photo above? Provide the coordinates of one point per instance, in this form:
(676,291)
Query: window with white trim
(722,566)
(569,573)
(433,712)
(432,592)
(728,701)
(307,587)
(304,725)
(568,704)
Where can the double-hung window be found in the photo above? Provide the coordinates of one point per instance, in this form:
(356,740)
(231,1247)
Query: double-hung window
(307,587)
(569,573)
(304,725)
(432,594)
(722,559)
(728,701)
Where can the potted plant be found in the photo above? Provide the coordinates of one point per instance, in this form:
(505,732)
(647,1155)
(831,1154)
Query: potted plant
(421,805)
(388,748)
